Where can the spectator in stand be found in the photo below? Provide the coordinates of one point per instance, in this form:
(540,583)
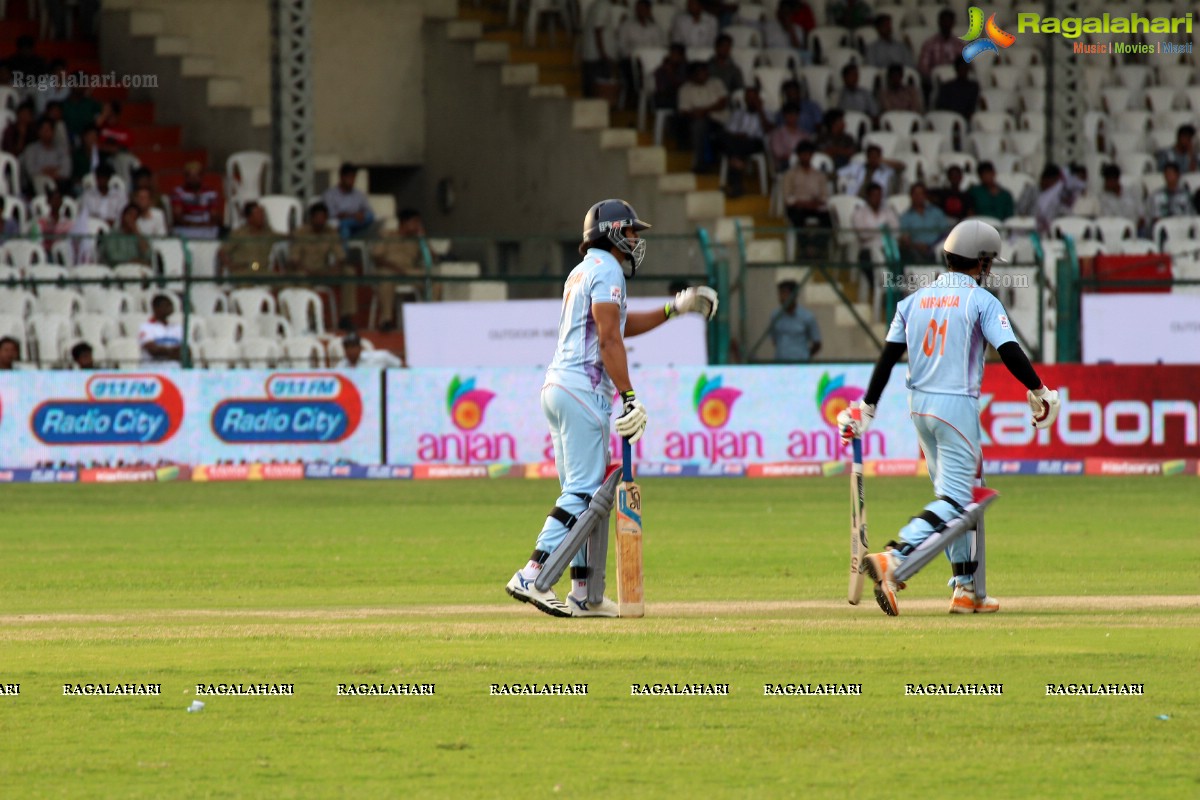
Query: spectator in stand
(857,176)
(43,157)
(316,251)
(1116,202)
(1170,201)
(1086,204)
(86,157)
(247,251)
(833,140)
(703,109)
(810,113)
(783,32)
(104,200)
(143,178)
(988,198)
(160,339)
(197,211)
(10,353)
(854,98)
(1183,153)
(80,111)
(896,95)
(22,132)
(55,224)
(741,138)
(636,31)
(804,16)
(960,95)
(356,356)
(785,136)
(61,137)
(670,77)
(114,136)
(794,330)
(850,13)
(694,27)
(941,48)
(952,198)
(53,94)
(347,205)
(868,220)
(26,63)
(922,226)
(599,48)
(82,356)
(125,245)
(1059,190)
(886,51)
(151,222)
(806,194)
(398,254)
(722,66)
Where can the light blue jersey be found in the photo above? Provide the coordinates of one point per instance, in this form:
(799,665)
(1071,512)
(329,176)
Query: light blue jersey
(945,326)
(577,363)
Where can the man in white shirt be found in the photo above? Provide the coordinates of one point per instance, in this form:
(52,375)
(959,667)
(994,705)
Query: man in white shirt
(161,341)
(742,137)
(599,47)
(856,176)
(103,201)
(694,27)
(152,222)
(1115,201)
(703,108)
(349,208)
(867,220)
(357,357)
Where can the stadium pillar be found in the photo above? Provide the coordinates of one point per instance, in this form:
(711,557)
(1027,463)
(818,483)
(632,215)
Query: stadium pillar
(291,97)
(1064,93)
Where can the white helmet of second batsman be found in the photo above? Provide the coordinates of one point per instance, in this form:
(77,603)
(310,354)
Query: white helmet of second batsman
(973,238)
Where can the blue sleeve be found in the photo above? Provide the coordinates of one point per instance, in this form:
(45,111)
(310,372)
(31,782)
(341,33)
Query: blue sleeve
(896,330)
(814,330)
(607,286)
(993,320)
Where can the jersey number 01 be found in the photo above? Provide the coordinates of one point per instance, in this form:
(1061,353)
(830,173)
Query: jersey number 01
(932,334)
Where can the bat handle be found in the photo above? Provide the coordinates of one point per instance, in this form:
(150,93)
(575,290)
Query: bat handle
(857,446)
(626,461)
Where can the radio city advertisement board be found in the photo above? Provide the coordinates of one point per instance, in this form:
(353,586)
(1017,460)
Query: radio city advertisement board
(189,417)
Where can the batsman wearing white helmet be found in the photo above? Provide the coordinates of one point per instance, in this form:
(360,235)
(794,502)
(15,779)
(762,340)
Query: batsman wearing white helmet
(589,366)
(945,327)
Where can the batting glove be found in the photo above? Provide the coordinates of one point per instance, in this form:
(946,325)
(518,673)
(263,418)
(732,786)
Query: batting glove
(1045,404)
(632,422)
(699,299)
(854,420)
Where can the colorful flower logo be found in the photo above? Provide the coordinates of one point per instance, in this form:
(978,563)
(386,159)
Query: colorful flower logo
(467,404)
(833,395)
(712,402)
(996,38)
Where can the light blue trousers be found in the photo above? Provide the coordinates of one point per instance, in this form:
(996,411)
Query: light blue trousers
(579,430)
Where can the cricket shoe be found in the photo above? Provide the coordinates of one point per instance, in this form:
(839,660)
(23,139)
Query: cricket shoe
(880,568)
(582,608)
(524,590)
(965,601)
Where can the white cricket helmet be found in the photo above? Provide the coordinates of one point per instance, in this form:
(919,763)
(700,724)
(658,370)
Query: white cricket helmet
(974,239)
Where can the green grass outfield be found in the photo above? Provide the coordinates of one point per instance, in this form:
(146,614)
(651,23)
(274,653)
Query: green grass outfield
(321,583)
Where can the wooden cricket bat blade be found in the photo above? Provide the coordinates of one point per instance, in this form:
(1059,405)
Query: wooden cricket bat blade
(629,550)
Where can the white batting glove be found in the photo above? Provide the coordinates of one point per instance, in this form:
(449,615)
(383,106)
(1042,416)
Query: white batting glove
(632,422)
(700,299)
(1044,404)
(854,420)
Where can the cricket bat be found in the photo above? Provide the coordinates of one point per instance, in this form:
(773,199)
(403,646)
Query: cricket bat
(858,526)
(629,539)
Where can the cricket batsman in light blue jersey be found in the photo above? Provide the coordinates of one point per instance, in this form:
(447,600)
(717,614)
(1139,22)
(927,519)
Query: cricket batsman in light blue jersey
(945,327)
(589,365)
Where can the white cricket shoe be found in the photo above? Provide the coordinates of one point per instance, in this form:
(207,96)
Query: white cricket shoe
(880,567)
(582,608)
(524,590)
(965,601)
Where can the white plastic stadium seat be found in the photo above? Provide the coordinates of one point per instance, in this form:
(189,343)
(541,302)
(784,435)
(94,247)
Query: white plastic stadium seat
(125,352)
(49,332)
(304,352)
(23,253)
(10,174)
(247,175)
(1115,229)
(1077,228)
(283,212)
(253,300)
(302,307)
(259,352)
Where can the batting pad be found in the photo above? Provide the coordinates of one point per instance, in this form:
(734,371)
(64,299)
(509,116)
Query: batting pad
(598,509)
(597,559)
(939,540)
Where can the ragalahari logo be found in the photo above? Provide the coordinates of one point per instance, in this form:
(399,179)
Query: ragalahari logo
(833,396)
(467,404)
(713,402)
(996,39)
